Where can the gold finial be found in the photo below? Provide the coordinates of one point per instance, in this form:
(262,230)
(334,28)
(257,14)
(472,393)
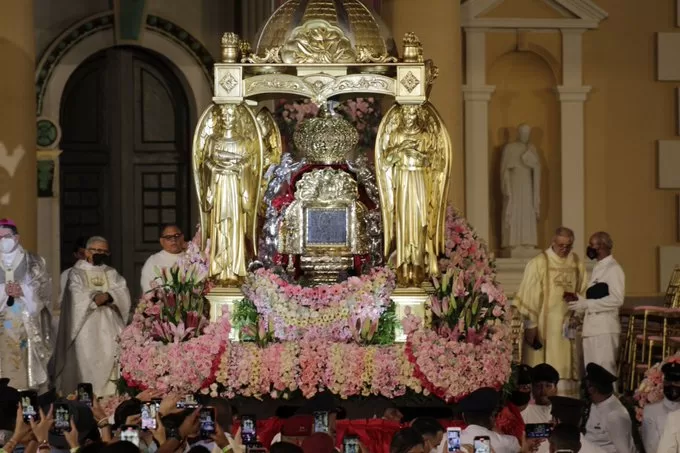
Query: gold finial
(413,48)
(230,47)
(245,48)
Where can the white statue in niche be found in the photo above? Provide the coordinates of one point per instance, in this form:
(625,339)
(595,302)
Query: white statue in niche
(521,188)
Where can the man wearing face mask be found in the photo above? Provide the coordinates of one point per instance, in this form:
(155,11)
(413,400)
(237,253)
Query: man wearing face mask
(94,310)
(509,419)
(604,297)
(655,415)
(25,316)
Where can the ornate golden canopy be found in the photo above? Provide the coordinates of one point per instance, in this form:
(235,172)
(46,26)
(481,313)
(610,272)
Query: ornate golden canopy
(362,33)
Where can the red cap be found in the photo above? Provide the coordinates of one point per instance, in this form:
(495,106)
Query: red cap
(297,426)
(8,223)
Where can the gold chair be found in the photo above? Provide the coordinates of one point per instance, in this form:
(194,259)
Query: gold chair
(517,332)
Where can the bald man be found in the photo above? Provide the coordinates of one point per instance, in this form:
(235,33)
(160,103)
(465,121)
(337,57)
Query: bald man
(604,297)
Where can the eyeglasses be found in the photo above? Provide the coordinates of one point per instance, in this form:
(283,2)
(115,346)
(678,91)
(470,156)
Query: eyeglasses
(100,251)
(565,246)
(170,237)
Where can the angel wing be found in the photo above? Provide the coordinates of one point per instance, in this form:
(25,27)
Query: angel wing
(384,172)
(271,136)
(204,130)
(439,171)
(252,169)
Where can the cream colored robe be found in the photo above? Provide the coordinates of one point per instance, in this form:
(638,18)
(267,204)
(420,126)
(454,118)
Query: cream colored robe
(87,344)
(540,301)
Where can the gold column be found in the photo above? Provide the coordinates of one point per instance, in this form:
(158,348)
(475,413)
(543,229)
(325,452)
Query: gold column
(437,24)
(18,167)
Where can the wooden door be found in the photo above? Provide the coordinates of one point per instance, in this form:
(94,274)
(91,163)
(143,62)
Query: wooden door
(126,153)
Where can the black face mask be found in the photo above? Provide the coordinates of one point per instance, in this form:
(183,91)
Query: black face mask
(591,253)
(99,258)
(520,398)
(671,392)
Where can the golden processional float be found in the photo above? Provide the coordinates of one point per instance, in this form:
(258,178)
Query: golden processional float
(339,207)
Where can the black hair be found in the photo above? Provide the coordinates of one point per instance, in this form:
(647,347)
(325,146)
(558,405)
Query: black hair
(126,409)
(198,449)
(284,447)
(223,412)
(478,418)
(427,426)
(405,439)
(566,437)
(165,226)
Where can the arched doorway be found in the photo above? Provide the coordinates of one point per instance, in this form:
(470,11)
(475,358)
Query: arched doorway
(126,155)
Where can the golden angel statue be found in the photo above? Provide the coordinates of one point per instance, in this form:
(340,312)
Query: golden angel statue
(413,158)
(273,148)
(227,165)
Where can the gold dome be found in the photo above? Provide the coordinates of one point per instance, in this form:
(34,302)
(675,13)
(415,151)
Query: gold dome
(326,31)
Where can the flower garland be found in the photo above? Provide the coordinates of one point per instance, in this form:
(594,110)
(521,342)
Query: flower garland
(345,369)
(170,345)
(650,389)
(290,312)
(470,321)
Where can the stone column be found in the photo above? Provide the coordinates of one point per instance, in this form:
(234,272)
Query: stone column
(438,27)
(477,96)
(572,95)
(18,171)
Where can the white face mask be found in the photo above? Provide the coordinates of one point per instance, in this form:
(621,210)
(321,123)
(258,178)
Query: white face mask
(7,245)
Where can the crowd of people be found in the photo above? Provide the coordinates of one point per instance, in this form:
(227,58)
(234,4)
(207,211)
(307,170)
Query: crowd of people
(54,371)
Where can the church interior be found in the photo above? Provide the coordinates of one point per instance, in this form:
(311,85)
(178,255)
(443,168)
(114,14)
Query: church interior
(101,98)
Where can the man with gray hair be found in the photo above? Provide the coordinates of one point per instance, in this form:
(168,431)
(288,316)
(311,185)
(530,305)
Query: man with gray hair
(551,279)
(604,297)
(94,311)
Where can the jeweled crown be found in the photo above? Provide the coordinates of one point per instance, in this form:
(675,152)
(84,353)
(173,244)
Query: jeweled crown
(325,139)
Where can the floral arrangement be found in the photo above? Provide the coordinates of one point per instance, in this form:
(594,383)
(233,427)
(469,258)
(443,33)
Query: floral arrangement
(170,344)
(470,321)
(650,389)
(364,113)
(311,365)
(278,309)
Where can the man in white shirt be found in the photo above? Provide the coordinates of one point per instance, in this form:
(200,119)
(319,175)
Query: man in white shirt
(569,411)
(654,415)
(478,409)
(609,425)
(670,440)
(172,241)
(604,297)
(544,386)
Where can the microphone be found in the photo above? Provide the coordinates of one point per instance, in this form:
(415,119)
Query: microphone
(10,301)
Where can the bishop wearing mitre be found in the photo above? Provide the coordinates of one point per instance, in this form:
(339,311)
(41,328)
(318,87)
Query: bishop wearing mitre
(94,311)
(25,316)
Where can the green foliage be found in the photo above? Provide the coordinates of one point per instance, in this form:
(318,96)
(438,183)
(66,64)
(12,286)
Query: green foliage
(386,326)
(245,319)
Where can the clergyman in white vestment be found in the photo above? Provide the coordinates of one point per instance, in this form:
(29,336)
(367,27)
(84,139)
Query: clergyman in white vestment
(94,311)
(25,317)
(172,241)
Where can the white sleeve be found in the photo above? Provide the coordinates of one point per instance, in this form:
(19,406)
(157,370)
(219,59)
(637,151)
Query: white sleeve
(670,439)
(148,276)
(620,430)
(649,431)
(616,281)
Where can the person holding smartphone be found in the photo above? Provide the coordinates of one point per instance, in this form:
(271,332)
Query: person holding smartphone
(432,432)
(478,410)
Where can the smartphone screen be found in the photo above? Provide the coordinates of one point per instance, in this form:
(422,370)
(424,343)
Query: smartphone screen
(453,439)
(188,402)
(350,444)
(29,405)
(248,430)
(85,394)
(482,444)
(321,422)
(62,419)
(149,411)
(207,422)
(538,430)
(129,433)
